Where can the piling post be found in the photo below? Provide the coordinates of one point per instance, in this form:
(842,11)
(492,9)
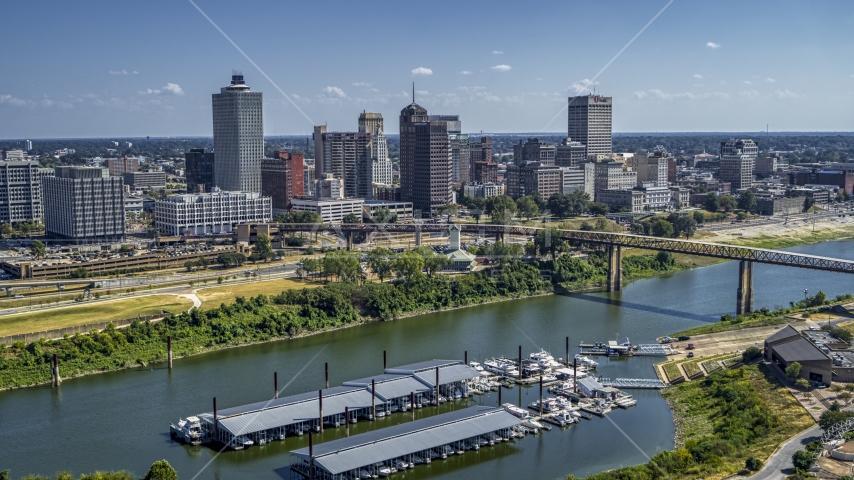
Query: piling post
(347,420)
(374,398)
(216,420)
(575,375)
(56,378)
(412,404)
(310,456)
(276,383)
(499,395)
(384,361)
(466,357)
(541,395)
(326,366)
(520,363)
(437,387)
(320,409)
(169,350)
(567,352)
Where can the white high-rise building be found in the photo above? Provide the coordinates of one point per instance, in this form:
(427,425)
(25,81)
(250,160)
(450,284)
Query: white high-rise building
(381,165)
(590,122)
(238,128)
(737,161)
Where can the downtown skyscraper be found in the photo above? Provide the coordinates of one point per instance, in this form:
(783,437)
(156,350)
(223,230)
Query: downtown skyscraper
(238,127)
(589,122)
(425,159)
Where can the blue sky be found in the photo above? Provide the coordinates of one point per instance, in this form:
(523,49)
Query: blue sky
(94,68)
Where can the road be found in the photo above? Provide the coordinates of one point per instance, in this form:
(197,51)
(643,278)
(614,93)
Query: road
(779,465)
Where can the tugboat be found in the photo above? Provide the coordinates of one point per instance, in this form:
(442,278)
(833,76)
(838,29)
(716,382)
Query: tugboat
(188,431)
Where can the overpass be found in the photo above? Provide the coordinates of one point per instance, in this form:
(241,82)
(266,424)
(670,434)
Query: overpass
(614,243)
(59,284)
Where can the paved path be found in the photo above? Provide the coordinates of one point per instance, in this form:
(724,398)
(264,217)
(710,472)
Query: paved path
(779,464)
(192,296)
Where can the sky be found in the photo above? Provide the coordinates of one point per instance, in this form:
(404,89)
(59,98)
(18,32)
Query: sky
(98,68)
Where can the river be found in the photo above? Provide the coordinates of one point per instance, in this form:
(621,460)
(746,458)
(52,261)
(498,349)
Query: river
(120,420)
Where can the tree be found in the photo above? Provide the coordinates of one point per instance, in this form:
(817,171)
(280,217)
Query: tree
(161,470)
(6,230)
(527,207)
(808,203)
(37,249)
(802,383)
(802,460)
(601,224)
(449,209)
(341,263)
(662,228)
(747,202)
(408,264)
(351,218)
(699,217)
(793,370)
(741,216)
(501,208)
(549,240)
(299,217)
(263,248)
(432,261)
(665,259)
(384,215)
(311,265)
(728,202)
(753,464)
(713,204)
(380,261)
(750,354)
(685,225)
(560,205)
(203,262)
(598,209)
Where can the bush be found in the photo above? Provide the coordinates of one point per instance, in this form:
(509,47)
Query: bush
(751,354)
(753,464)
(802,383)
(802,460)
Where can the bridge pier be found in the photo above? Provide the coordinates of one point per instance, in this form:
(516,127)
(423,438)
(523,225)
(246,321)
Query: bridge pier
(499,237)
(349,240)
(8,291)
(418,238)
(615,268)
(744,300)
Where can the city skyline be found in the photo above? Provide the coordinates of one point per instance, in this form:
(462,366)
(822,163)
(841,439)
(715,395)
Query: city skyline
(133,84)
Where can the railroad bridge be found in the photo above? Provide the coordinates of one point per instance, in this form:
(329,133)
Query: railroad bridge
(614,243)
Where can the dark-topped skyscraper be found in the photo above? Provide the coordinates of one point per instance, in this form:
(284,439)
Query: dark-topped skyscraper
(238,130)
(199,170)
(590,122)
(425,160)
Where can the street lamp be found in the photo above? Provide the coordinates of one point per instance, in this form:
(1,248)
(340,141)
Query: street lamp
(805,293)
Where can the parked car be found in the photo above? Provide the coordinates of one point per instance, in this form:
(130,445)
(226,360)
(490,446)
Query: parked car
(690,354)
(19,296)
(684,338)
(690,346)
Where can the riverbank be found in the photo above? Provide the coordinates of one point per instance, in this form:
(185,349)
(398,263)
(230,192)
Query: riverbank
(721,422)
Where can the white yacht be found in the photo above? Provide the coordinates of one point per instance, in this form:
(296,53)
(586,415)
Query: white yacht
(515,411)
(189,430)
(384,471)
(475,365)
(549,405)
(586,361)
(544,359)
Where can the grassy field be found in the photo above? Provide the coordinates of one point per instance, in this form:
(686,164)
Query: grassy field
(92,313)
(214,296)
(691,368)
(728,326)
(672,371)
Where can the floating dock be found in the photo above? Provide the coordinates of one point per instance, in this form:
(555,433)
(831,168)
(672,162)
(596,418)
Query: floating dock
(409,444)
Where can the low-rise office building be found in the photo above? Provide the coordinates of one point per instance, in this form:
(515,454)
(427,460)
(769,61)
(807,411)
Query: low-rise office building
(629,199)
(331,210)
(140,180)
(84,204)
(483,190)
(403,210)
(210,213)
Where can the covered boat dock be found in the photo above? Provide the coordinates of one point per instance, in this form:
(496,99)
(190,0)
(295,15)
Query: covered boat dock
(412,443)
(452,376)
(395,391)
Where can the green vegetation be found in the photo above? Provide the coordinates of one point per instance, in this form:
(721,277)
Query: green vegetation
(263,318)
(576,273)
(160,470)
(750,354)
(691,368)
(724,420)
(672,371)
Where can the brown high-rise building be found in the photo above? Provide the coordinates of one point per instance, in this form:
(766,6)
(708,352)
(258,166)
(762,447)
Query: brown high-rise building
(282,179)
(371,122)
(483,169)
(118,166)
(425,160)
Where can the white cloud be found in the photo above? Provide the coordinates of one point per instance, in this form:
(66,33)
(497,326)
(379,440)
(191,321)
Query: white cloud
(466,72)
(502,68)
(697,75)
(581,86)
(123,72)
(640,94)
(748,82)
(497,52)
(660,95)
(422,92)
(770,80)
(785,94)
(173,88)
(421,71)
(751,94)
(713,45)
(334,92)
(363,84)
(6,98)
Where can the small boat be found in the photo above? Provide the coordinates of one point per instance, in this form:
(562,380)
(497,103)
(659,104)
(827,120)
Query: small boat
(585,361)
(477,366)
(365,474)
(515,411)
(458,394)
(384,471)
(417,460)
(549,405)
(564,418)
(188,431)
(544,359)
(532,424)
(241,442)
(401,465)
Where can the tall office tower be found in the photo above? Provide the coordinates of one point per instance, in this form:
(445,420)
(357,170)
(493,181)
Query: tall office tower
(84,204)
(483,169)
(651,168)
(20,191)
(737,161)
(199,170)
(347,155)
(282,179)
(371,122)
(317,136)
(308,177)
(590,123)
(28,145)
(381,168)
(238,126)
(534,150)
(612,175)
(425,160)
(570,153)
(460,158)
